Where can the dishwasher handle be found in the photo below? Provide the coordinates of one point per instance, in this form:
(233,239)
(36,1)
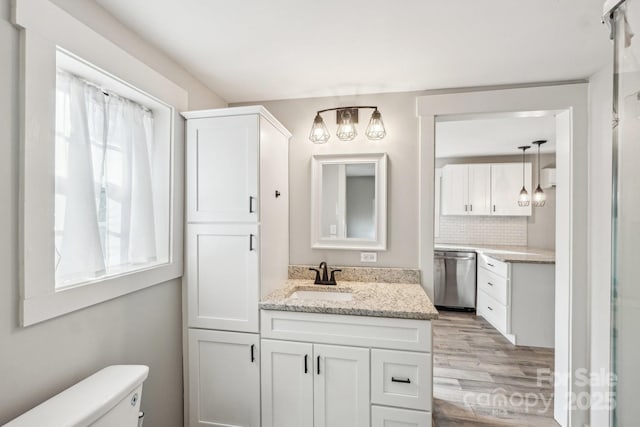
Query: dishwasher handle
(467,258)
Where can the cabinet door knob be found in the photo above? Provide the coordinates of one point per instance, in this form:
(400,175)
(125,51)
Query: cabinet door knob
(277,194)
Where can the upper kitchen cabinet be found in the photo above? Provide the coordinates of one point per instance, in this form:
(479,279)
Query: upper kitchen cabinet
(484,189)
(466,189)
(506,183)
(237,163)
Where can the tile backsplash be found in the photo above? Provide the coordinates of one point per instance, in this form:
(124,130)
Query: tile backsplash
(485,230)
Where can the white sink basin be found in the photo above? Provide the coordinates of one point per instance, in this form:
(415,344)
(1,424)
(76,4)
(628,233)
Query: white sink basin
(322,296)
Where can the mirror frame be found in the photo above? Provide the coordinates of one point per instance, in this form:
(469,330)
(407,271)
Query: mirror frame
(380,163)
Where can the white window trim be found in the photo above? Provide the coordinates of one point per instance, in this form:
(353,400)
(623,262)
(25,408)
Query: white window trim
(40,39)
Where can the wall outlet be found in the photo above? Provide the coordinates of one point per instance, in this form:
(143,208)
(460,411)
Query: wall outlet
(368,257)
(333,229)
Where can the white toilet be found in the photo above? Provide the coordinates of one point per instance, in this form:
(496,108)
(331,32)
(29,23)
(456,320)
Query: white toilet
(108,398)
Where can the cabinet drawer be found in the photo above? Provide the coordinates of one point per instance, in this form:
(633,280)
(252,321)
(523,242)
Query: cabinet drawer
(401,378)
(493,285)
(394,417)
(498,267)
(493,311)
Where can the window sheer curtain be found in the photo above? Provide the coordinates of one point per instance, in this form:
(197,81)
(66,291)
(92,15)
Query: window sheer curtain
(104,217)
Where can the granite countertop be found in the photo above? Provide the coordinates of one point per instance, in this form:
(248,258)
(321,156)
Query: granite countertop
(523,254)
(395,300)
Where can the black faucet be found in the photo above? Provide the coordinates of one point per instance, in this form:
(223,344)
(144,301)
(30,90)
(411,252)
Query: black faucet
(325,280)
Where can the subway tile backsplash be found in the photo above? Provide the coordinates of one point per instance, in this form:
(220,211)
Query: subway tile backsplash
(483,230)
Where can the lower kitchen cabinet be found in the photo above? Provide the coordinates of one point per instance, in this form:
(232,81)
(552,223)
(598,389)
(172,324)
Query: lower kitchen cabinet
(224,378)
(395,417)
(314,385)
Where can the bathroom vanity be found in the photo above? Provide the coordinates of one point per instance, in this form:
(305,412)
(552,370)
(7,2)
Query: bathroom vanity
(356,354)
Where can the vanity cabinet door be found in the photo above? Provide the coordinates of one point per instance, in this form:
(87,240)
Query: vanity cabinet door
(222,276)
(222,169)
(341,386)
(287,384)
(224,378)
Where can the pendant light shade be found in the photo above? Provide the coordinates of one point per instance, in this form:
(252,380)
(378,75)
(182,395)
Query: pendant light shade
(539,197)
(523,198)
(346,128)
(319,133)
(375,129)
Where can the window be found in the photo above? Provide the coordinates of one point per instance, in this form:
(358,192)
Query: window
(101,168)
(104,189)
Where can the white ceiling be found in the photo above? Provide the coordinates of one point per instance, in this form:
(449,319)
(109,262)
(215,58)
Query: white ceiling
(494,136)
(250,50)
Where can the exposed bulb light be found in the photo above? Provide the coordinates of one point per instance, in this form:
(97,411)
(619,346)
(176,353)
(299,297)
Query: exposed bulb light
(319,133)
(523,198)
(347,119)
(346,129)
(539,197)
(375,129)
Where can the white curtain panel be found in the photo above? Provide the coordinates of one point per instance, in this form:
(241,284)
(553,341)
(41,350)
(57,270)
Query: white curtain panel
(104,201)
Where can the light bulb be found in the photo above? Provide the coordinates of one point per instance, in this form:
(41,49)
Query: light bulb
(539,197)
(319,133)
(346,129)
(523,198)
(375,129)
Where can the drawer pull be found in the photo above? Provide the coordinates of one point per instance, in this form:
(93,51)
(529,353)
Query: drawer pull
(490,265)
(490,308)
(401,380)
(489,283)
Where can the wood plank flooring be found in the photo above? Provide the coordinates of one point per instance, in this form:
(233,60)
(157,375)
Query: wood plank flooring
(482,380)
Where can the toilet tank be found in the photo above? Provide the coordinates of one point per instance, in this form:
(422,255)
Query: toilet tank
(108,398)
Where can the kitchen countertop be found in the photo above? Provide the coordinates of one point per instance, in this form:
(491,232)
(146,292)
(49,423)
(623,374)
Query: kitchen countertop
(395,300)
(521,254)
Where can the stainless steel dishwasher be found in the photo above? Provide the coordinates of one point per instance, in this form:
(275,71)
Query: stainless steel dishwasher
(455,280)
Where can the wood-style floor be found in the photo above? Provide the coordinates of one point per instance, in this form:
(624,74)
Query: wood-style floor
(482,380)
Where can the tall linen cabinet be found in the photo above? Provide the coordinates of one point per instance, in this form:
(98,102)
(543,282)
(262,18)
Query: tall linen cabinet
(237,249)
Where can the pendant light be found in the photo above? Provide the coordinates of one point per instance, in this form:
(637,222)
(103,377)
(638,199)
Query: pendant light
(523,198)
(319,133)
(539,197)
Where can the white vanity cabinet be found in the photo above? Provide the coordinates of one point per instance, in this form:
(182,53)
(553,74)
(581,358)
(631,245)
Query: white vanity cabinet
(484,189)
(518,299)
(237,249)
(306,384)
(325,370)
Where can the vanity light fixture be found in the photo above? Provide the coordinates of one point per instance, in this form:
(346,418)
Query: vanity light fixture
(523,198)
(346,118)
(539,198)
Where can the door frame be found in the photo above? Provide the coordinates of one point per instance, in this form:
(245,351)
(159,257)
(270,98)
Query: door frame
(571,306)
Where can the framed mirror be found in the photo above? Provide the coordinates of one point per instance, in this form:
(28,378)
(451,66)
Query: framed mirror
(349,202)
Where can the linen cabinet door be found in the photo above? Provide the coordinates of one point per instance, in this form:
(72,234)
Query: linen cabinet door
(224,378)
(222,277)
(341,386)
(222,169)
(287,384)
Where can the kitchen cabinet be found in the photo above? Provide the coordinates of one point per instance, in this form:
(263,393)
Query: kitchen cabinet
(484,189)
(506,183)
(466,189)
(314,385)
(237,249)
(325,370)
(224,375)
(518,299)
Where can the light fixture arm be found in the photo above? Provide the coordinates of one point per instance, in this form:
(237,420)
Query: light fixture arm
(346,108)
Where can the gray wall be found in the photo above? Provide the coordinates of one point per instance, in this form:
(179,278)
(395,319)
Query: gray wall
(401,144)
(144,327)
(541,225)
